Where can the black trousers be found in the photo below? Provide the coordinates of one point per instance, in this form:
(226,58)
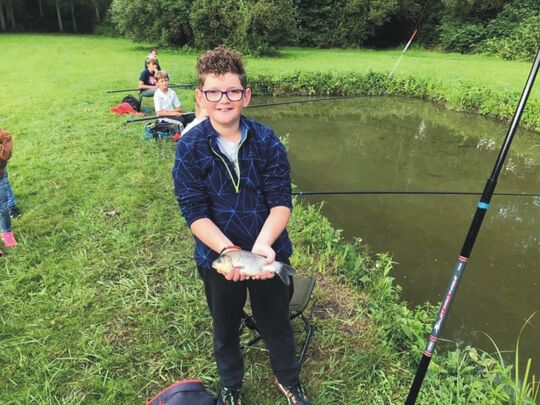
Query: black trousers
(270,305)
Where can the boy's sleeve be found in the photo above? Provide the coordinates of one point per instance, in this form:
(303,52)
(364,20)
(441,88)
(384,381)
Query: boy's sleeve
(176,101)
(189,185)
(277,176)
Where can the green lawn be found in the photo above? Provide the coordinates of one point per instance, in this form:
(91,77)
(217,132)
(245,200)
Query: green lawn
(100,301)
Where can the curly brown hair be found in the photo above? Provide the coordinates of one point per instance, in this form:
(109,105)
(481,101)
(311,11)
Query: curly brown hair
(219,61)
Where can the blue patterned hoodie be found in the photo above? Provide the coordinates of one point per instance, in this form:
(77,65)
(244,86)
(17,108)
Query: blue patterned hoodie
(206,185)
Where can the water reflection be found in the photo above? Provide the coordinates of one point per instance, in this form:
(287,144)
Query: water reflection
(401,144)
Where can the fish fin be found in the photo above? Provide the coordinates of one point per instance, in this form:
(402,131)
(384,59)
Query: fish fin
(289,269)
(285,272)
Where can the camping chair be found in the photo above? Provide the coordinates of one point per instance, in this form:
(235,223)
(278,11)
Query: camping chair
(303,288)
(141,96)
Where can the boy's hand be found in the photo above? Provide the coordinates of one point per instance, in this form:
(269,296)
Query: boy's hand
(235,275)
(267,252)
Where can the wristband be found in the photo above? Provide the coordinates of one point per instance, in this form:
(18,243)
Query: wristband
(229,247)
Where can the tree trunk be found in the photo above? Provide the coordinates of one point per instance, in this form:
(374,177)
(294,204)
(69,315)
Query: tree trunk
(60,26)
(73,16)
(40,3)
(98,16)
(11,14)
(2,17)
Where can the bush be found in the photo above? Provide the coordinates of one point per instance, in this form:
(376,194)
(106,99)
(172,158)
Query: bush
(219,22)
(270,24)
(162,21)
(515,32)
(462,37)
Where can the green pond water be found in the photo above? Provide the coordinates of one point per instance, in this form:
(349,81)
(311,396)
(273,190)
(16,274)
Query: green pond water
(383,143)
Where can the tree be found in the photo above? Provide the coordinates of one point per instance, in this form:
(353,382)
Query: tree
(271,23)
(2,17)
(73,20)
(217,22)
(163,21)
(11,14)
(59,15)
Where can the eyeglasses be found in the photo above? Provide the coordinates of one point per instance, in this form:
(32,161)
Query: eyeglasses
(216,95)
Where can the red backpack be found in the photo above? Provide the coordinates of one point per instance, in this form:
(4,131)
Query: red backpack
(186,392)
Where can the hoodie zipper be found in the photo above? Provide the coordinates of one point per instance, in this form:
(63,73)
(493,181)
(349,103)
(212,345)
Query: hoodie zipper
(236,184)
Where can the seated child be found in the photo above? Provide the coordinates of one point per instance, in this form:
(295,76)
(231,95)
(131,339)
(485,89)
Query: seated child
(166,102)
(152,55)
(6,147)
(200,115)
(147,81)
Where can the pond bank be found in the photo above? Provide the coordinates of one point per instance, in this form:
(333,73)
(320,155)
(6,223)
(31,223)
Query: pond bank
(459,96)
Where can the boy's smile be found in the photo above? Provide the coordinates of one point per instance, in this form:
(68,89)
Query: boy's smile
(224,114)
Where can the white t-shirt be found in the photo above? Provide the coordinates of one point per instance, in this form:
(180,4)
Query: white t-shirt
(166,101)
(196,121)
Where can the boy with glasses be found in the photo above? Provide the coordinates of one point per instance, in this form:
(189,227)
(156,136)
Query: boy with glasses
(232,180)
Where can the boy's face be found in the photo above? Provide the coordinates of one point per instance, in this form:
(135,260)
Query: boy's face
(223,112)
(152,68)
(163,84)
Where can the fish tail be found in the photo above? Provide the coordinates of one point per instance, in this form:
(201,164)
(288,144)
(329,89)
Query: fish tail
(284,272)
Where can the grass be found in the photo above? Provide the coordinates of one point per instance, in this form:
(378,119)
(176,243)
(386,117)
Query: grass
(100,301)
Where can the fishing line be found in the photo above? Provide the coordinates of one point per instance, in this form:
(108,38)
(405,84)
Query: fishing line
(398,192)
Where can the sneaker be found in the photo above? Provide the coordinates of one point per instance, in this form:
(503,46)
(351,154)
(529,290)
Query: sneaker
(229,396)
(14,212)
(296,394)
(8,239)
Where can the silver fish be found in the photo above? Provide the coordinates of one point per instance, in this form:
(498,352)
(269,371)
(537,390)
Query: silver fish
(250,264)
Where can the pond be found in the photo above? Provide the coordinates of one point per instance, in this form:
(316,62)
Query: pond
(384,143)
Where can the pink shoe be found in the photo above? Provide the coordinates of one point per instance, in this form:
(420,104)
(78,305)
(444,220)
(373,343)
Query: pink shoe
(8,239)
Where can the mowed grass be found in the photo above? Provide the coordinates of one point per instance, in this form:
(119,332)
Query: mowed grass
(100,301)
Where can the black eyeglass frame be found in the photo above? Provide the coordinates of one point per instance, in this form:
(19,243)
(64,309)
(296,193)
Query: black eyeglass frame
(226,93)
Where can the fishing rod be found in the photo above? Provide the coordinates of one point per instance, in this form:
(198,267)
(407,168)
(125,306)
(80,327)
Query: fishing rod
(157,117)
(468,244)
(182,85)
(302,101)
(253,106)
(193,85)
(392,192)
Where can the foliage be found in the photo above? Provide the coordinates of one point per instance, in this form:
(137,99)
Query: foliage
(218,22)
(270,24)
(515,32)
(463,37)
(164,21)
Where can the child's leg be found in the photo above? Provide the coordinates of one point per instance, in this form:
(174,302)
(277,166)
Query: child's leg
(5,220)
(226,300)
(11,197)
(270,305)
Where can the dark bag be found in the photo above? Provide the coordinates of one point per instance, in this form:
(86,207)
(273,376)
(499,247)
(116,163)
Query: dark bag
(186,392)
(132,101)
(161,129)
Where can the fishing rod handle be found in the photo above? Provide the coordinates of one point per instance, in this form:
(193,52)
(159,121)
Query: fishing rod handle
(436,330)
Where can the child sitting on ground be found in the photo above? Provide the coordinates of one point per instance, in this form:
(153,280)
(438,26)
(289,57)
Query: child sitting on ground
(6,147)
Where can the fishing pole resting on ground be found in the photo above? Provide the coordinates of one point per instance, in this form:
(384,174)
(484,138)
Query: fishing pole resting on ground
(470,239)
